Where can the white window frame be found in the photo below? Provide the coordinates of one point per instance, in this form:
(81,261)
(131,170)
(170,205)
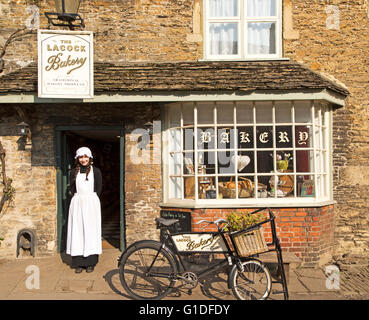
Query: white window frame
(242,20)
(322,177)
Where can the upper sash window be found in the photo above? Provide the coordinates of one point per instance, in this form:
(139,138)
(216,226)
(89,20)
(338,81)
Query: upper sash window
(243,29)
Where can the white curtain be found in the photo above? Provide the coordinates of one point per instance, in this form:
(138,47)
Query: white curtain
(261,8)
(223,8)
(261,38)
(223,38)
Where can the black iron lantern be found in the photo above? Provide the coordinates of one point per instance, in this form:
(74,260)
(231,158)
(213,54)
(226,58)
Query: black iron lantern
(23,129)
(66,14)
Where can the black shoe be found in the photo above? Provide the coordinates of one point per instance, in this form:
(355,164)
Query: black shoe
(78,270)
(90,269)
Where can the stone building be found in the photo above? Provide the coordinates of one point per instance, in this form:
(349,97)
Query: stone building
(230,90)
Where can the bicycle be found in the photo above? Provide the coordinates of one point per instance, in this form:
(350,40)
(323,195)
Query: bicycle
(150,269)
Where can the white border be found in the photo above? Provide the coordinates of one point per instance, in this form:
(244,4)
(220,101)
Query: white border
(90,95)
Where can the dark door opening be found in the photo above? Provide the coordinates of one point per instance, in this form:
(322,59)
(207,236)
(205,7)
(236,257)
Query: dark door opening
(106,150)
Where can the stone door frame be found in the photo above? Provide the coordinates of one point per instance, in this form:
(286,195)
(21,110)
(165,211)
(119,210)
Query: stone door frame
(61,181)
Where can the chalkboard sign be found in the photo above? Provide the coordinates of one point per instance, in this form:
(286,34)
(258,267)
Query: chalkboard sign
(184,218)
(183,225)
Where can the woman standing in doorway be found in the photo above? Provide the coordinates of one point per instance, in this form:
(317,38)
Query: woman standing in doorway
(84,221)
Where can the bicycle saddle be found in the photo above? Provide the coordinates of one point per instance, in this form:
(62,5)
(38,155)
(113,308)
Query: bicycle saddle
(161,222)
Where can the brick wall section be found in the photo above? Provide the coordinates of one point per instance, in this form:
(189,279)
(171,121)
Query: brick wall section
(306,232)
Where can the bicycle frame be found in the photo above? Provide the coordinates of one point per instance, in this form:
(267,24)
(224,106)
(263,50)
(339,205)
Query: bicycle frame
(215,243)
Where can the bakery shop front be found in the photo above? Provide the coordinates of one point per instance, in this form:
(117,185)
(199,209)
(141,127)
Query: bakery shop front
(195,139)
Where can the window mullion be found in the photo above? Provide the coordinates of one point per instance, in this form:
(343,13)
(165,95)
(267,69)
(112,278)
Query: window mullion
(215,114)
(314,150)
(321,153)
(294,148)
(195,151)
(276,177)
(181,154)
(255,147)
(235,137)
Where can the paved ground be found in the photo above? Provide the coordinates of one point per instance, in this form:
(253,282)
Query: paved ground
(57,281)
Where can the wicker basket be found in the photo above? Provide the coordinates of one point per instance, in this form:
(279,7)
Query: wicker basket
(249,242)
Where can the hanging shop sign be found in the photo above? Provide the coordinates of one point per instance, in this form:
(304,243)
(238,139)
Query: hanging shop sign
(65,64)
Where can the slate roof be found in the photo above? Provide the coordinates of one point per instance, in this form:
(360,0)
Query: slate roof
(188,76)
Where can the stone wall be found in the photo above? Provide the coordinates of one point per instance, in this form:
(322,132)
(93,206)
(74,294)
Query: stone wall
(340,50)
(124,30)
(34,171)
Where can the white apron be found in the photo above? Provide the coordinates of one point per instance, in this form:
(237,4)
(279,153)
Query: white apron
(84,221)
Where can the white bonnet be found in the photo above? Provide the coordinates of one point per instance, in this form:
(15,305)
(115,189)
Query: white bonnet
(83,151)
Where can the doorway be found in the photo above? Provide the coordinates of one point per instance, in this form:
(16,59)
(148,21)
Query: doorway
(107,146)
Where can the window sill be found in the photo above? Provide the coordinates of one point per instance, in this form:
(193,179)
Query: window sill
(265,203)
(244,60)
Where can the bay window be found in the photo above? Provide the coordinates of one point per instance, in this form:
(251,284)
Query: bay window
(241,152)
(242,29)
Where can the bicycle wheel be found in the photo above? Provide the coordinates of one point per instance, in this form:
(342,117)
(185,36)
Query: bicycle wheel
(253,283)
(146,271)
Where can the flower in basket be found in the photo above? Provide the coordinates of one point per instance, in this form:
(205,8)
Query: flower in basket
(239,221)
(283,160)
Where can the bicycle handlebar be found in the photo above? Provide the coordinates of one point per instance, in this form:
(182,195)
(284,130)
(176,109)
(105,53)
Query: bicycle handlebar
(216,222)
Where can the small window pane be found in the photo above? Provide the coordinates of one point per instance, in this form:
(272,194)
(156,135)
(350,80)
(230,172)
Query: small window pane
(188,163)
(304,161)
(222,8)
(245,162)
(305,186)
(225,113)
(245,113)
(245,187)
(285,185)
(225,163)
(261,38)
(205,113)
(245,137)
(174,140)
(284,161)
(175,188)
(175,164)
(302,111)
(264,136)
(175,116)
(264,112)
(206,163)
(189,187)
(207,188)
(188,139)
(283,136)
(227,187)
(187,112)
(226,138)
(303,136)
(264,162)
(223,38)
(261,8)
(205,138)
(282,112)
